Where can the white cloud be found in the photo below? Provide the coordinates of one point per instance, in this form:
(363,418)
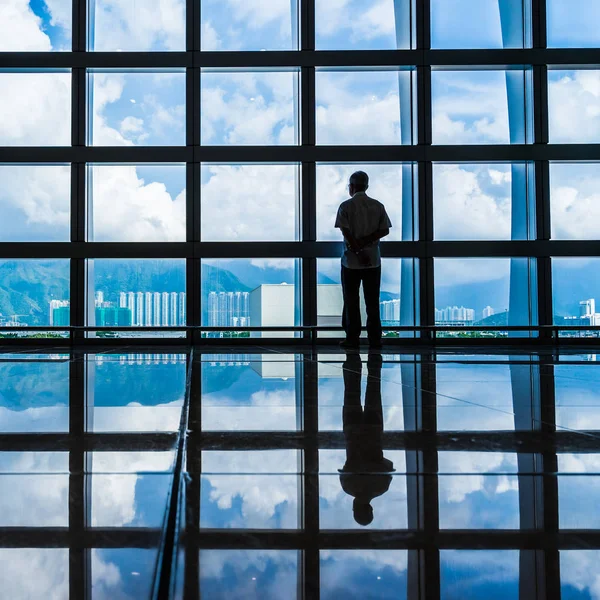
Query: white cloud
(249,108)
(250,202)
(579,569)
(51,569)
(35,109)
(21,29)
(147,25)
(127,208)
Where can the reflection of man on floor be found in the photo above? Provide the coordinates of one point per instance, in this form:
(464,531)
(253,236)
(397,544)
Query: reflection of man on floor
(366,474)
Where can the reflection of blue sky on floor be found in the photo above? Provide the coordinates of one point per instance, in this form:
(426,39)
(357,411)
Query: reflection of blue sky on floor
(476,500)
(364,574)
(474,574)
(249,574)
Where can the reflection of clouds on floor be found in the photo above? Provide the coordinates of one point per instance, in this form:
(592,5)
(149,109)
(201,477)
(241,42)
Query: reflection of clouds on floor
(478,501)
(579,569)
(34,420)
(578,492)
(245,574)
(266,410)
(577,397)
(32,573)
(137,418)
(474,397)
(254,489)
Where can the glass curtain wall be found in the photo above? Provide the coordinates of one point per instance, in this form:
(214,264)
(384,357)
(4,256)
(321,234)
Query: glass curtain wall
(166,166)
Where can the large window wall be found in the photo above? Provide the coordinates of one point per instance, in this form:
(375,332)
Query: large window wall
(185,159)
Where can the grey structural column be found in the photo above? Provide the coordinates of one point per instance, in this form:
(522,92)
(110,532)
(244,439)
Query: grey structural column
(404,22)
(520,131)
(531,572)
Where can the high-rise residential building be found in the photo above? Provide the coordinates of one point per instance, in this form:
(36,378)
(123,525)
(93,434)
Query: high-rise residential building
(227,309)
(122,300)
(182,309)
(139,308)
(455,314)
(389,310)
(173,315)
(164,309)
(131,307)
(148,309)
(99,298)
(488,311)
(587,308)
(55,305)
(113,317)
(156,313)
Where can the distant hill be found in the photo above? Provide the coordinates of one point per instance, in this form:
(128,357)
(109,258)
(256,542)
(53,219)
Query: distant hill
(497,320)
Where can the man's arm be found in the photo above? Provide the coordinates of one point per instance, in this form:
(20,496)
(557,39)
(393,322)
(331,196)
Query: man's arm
(373,237)
(353,243)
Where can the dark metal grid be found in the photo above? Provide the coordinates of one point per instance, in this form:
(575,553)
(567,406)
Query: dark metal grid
(539,537)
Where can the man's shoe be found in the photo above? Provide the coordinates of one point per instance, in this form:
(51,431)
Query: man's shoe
(349,344)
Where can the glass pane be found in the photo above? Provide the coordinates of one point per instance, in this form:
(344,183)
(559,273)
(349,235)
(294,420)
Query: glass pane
(135,392)
(393,184)
(50,566)
(264,574)
(484,292)
(34,293)
(572,104)
(45,496)
(339,383)
(249,25)
(123,572)
(355,499)
(485,397)
(34,396)
(574,292)
(143,203)
(381,574)
(572,23)
(251,293)
(24,120)
(396,275)
(250,489)
(140,292)
(364,25)
(127,25)
(263,393)
(579,574)
(578,491)
(475,500)
(481,107)
(35,203)
(574,201)
(250,203)
(241,108)
(34,26)
(479,574)
(364,107)
(478,201)
(476,24)
(577,394)
(137,108)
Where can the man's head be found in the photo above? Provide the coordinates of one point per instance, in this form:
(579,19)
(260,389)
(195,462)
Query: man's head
(359,182)
(363,512)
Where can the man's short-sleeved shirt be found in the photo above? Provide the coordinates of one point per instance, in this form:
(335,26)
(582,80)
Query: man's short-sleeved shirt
(363,216)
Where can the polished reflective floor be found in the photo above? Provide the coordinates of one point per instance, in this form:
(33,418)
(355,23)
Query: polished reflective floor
(303,475)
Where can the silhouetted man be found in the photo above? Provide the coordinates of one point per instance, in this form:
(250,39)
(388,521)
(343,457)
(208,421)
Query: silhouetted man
(366,472)
(363,222)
